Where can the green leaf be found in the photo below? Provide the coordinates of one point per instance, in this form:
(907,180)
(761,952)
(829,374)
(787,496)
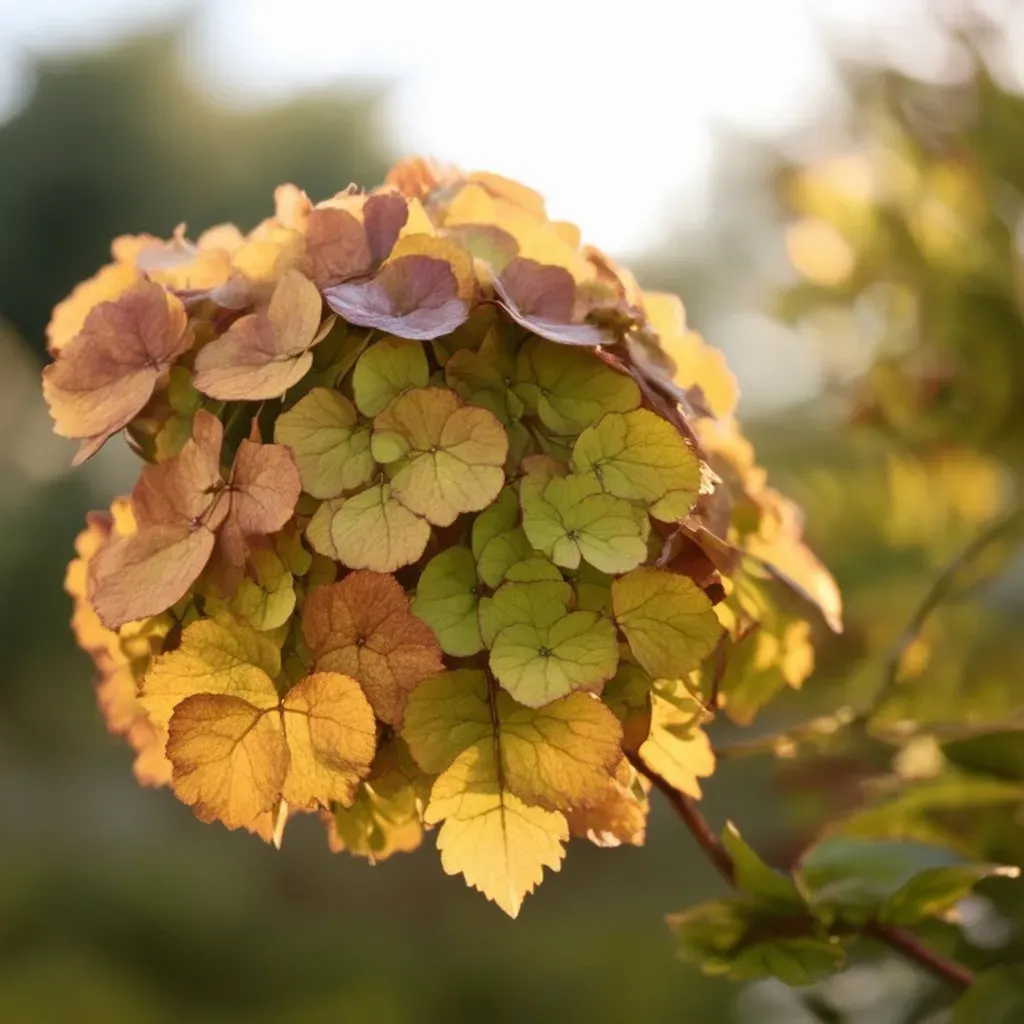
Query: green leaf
(331,448)
(640,456)
(265,600)
(445,458)
(934,891)
(446,600)
(628,693)
(772,889)
(485,377)
(996,997)
(533,570)
(854,879)
(385,370)
(541,651)
(667,619)
(593,589)
(549,600)
(569,389)
(569,518)
(912,812)
(733,938)
(184,400)
(498,539)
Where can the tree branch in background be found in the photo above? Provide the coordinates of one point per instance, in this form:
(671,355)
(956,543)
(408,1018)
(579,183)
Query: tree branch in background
(940,590)
(898,939)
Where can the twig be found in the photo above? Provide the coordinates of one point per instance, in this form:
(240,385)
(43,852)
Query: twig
(687,809)
(712,847)
(913,949)
(940,589)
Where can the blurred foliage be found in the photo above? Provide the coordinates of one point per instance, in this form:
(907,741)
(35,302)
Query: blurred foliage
(114,906)
(124,143)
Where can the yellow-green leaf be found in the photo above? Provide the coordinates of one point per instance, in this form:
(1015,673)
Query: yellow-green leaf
(667,619)
(569,518)
(445,458)
(498,539)
(640,456)
(331,449)
(266,598)
(370,530)
(563,755)
(446,600)
(499,844)
(485,377)
(677,748)
(533,570)
(593,589)
(385,370)
(546,601)
(570,388)
(540,652)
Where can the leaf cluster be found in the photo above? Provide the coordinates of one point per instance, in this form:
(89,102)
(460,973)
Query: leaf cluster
(443,523)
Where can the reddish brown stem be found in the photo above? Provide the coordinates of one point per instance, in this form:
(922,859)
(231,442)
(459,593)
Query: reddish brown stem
(898,939)
(913,949)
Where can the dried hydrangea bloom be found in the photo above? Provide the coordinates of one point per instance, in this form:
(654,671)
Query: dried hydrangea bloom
(443,524)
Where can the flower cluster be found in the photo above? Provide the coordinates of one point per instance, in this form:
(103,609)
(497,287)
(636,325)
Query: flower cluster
(443,522)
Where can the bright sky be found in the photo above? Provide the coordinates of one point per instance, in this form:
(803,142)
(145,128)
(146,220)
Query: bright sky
(576,98)
(567,95)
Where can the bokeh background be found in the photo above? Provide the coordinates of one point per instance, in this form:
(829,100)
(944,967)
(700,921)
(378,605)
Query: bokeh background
(835,188)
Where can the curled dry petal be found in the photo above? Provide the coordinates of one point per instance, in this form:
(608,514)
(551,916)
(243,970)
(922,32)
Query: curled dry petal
(263,354)
(106,374)
(542,299)
(415,297)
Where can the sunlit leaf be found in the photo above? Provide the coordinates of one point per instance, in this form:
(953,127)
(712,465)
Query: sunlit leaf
(331,735)
(230,756)
(384,819)
(570,518)
(571,389)
(69,316)
(499,844)
(619,817)
(266,596)
(331,449)
(445,458)
(640,456)
(667,619)
(677,748)
(542,651)
(562,755)
(336,247)
(212,658)
(370,530)
(414,297)
(385,370)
